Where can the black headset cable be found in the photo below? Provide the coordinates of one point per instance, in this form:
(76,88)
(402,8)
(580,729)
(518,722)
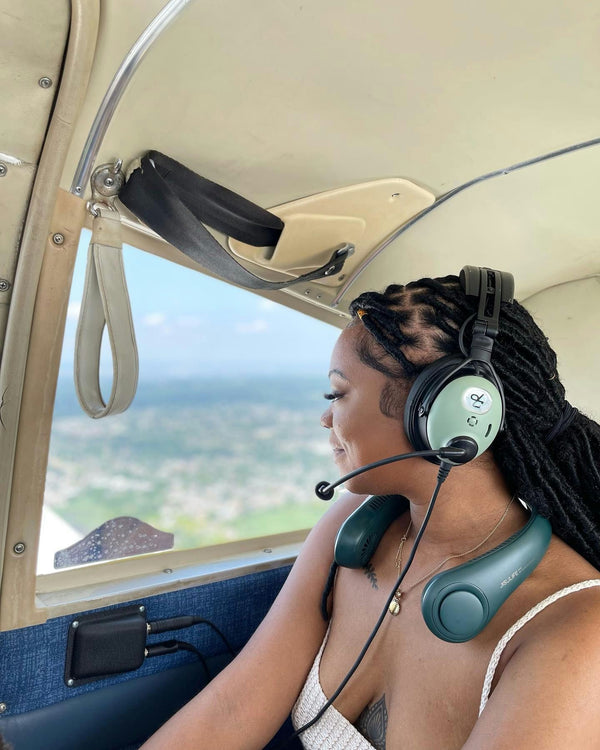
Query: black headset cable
(443,472)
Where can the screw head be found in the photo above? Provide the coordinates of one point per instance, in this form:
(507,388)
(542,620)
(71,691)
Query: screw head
(4,285)
(3,169)
(58,238)
(109,181)
(45,82)
(19,548)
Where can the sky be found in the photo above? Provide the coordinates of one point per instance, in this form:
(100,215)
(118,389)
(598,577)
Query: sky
(189,325)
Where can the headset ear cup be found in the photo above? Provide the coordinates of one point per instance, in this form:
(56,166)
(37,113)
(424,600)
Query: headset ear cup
(469,406)
(448,401)
(420,397)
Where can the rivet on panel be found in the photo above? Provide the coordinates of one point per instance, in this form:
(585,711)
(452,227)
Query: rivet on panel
(4,285)
(19,548)
(75,624)
(3,707)
(45,82)
(58,238)
(3,169)
(70,682)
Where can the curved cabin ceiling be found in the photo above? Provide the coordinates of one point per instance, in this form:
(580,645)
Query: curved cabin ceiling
(278,101)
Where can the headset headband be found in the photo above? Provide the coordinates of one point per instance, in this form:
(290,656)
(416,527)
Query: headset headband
(492,288)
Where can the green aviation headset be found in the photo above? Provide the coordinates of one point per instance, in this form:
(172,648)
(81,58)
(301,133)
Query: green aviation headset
(461,397)
(457,401)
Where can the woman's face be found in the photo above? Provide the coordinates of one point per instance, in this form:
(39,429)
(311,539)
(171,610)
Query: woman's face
(359,432)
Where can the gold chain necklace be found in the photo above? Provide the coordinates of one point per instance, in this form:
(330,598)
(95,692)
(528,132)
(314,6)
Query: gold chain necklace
(394,608)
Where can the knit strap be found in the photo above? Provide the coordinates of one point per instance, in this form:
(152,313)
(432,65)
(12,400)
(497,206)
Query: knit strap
(491,670)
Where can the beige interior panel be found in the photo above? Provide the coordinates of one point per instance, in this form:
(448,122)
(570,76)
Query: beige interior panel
(568,314)
(33,40)
(34,36)
(282,100)
(15,189)
(363,215)
(541,223)
(24,439)
(45,345)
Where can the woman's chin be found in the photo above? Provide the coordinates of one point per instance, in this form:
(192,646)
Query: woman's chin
(359,486)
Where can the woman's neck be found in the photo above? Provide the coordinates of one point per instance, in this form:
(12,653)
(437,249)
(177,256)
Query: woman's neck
(473,500)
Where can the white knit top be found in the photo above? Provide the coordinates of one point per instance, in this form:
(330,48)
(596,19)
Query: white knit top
(335,732)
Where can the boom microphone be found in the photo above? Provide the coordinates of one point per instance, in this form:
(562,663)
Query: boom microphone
(463,451)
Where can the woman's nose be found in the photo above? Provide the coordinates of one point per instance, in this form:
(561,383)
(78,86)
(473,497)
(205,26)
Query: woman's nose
(326,418)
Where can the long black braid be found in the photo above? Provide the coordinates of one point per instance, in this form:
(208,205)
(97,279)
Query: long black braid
(416,323)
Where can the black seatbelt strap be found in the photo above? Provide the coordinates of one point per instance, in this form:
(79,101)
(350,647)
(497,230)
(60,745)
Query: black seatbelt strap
(176,203)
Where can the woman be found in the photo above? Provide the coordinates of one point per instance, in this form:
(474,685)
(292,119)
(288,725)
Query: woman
(413,690)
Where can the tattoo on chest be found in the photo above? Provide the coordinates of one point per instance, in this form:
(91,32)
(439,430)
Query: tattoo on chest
(371,575)
(372,723)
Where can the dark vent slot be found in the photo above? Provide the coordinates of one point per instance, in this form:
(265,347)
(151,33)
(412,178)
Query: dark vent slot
(366,551)
(377,502)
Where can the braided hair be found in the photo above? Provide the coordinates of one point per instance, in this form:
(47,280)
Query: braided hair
(412,325)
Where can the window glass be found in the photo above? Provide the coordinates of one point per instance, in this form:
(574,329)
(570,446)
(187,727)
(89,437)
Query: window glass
(222,441)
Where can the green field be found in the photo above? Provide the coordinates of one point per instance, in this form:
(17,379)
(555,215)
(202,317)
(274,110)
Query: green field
(209,460)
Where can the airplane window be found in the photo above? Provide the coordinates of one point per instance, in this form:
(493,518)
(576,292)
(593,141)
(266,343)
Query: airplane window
(222,441)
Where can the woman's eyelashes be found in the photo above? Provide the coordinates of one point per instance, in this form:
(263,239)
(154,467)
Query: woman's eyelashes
(333,395)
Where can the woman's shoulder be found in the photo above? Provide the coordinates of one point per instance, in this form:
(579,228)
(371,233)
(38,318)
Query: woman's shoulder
(568,615)
(551,665)
(564,598)
(316,555)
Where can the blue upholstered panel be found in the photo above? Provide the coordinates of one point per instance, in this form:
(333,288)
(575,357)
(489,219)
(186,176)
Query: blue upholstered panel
(32,660)
(115,717)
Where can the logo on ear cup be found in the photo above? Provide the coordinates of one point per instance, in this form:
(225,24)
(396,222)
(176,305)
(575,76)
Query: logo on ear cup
(477,400)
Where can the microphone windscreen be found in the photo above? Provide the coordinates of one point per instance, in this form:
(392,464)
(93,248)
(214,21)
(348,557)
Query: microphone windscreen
(324,491)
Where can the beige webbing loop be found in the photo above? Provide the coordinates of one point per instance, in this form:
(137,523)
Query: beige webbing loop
(105,302)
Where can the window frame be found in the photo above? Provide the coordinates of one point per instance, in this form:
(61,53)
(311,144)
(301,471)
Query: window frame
(28,598)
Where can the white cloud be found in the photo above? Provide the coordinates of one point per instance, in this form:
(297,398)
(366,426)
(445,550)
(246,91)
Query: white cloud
(252,326)
(267,305)
(190,321)
(73,310)
(153,320)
